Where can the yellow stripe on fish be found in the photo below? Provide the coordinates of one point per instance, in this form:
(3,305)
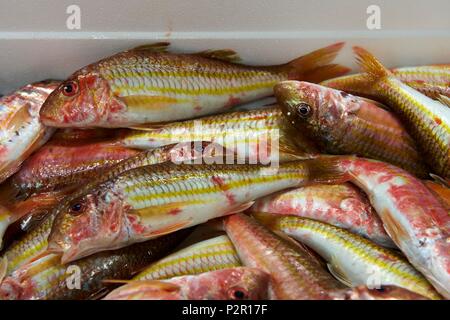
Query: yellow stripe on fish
(208,255)
(353,258)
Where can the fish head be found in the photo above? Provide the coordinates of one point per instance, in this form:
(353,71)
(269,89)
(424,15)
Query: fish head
(240,283)
(88,224)
(83,100)
(12,289)
(383,293)
(315,110)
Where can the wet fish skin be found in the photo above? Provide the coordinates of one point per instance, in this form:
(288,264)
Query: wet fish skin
(427,120)
(341,123)
(21,129)
(354,259)
(31,245)
(295,275)
(35,242)
(149,85)
(56,166)
(415,219)
(248,133)
(150,201)
(432,81)
(46,278)
(239,283)
(208,255)
(342,205)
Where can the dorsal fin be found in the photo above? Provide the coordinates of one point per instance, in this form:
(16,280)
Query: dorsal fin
(227,55)
(369,64)
(334,269)
(154,47)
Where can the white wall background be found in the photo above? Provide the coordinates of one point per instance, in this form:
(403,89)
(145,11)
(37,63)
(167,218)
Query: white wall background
(36,44)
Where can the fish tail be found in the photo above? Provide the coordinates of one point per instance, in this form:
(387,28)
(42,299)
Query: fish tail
(373,68)
(315,60)
(326,170)
(326,72)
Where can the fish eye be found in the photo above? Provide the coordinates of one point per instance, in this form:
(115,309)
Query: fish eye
(303,109)
(70,88)
(238,294)
(76,208)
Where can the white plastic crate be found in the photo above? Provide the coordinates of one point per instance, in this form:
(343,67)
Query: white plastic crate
(35,42)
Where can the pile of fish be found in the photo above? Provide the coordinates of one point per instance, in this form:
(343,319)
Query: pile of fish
(142,177)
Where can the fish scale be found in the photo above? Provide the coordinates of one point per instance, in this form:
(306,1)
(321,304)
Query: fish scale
(239,283)
(154,68)
(208,255)
(430,80)
(295,274)
(56,166)
(35,242)
(416,220)
(45,278)
(139,203)
(342,205)
(353,258)
(143,86)
(427,120)
(21,129)
(344,124)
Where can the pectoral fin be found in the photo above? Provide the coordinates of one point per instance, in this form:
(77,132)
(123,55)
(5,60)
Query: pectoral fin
(169,229)
(17,119)
(334,269)
(241,207)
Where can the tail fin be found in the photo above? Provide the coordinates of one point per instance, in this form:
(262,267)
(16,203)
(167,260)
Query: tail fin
(326,72)
(370,64)
(326,170)
(319,58)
